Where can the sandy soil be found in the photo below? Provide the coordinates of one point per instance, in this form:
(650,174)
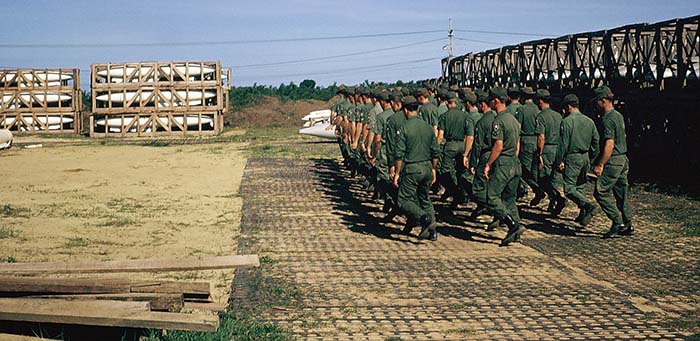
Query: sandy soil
(95,202)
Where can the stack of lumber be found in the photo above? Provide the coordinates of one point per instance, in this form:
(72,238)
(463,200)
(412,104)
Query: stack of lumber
(113,302)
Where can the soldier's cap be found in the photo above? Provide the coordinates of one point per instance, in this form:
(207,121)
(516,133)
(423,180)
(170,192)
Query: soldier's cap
(362,91)
(454,87)
(421,92)
(450,95)
(444,86)
(543,94)
(374,93)
(409,101)
(527,91)
(396,96)
(571,99)
(469,96)
(405,91)
(384,96)
(602,92)
(350,90)
(430,86)
(442,93)
(514,91)
(498,92)
(481,96)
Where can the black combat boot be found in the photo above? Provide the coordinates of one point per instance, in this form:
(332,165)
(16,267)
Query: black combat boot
(537,199)
(628,230)
(514,230)
(559,204)
(427,225)
(495,223)
(587,214)
(614,231)
(478,211)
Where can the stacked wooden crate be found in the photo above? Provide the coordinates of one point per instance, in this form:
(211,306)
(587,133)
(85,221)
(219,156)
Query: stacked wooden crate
(158,98)
(113,302)
(40,100)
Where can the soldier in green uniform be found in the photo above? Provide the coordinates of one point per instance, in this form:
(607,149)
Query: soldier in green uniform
(514,99)
(527,115)
(452,129)
(502,169)
(612,167)
(393,125)
(337,121)
(578,144)
(473,116)
(547,130)
(427,111)
(380,155)
(481,150)
(416,159)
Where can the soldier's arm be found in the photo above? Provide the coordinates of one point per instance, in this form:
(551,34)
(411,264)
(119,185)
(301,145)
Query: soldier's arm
(440,136)
(564,141)
(595,144)
(400,153)
(606,153)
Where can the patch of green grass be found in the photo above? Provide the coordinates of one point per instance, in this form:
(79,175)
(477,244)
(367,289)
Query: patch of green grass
(9,259)
(8,210)
(456,306)
(115,221)
(76,242)
(7,232)
(231,328)
(157,143)
(267,261)
(336,260)
(583,298)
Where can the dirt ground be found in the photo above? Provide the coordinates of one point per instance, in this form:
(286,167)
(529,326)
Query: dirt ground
(272,112)
(90,202)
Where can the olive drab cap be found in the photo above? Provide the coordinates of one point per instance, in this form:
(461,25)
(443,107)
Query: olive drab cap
(481,95)
(442,93)
(409,100)
(514,91)
(450,96)
(454,88)
(384,96)
(571,99)
(602,92)
(543,94)
(498,92)
(527,91)
(421,92)
(362,91)
(469,96)
(405,91)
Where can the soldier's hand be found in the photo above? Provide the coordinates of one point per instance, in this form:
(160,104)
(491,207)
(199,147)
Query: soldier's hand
(562,166)
(473,170)
(330,126)
(392,170)
(434,177)
(598,170)
(396,180)
(363,148)
(487,169)
(353,146)
(372,160)
(466,162)
(541,163)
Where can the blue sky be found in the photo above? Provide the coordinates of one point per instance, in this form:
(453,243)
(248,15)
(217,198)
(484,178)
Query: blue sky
(42,22)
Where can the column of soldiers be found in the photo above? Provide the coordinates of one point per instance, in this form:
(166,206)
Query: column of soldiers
(490,148)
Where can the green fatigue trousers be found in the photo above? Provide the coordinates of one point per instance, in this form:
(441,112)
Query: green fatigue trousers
(383,182)
(547,177)
(451,168)
(503,187)
(528,147)
(576,167)
(414,191)
(611,190)
(480,184)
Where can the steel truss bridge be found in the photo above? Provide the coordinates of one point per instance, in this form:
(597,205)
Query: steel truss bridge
(653,69)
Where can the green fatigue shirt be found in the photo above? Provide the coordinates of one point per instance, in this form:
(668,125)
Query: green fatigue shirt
(507,129)
(428,112)
(335,107)
(365,110)
(352,112)
(380,127)
(344,108)
(548,123)
(372,116)
(393,125)
(513,108)
(442,108)
(433,100)
(527,116)
(473,117)
(578,135)
(613,127)
(416,142)
(482,139)
(455,124)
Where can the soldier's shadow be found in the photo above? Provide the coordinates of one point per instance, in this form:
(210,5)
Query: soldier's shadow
(456,226)
(545,224)
(351,203)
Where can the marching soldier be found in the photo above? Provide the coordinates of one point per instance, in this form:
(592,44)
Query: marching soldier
(473,116)
(427,110)
(481,150)
(578,144)
(547,130)
(393,125)
(612,167)
(416,159)
(452,129)
(502,169)
(527,116)
(380,154)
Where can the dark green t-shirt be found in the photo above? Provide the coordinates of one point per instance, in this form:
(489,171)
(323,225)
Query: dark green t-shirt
(548,123)
(473,117)
(578,135)
(507,129)
(416,141)
(393,126)
(527,116)
(455,125)
(380,127)
(482,138)
(428,112)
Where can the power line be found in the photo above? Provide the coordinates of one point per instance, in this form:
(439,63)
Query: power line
(505,33)
(222,42)
(336,56)
(480,41)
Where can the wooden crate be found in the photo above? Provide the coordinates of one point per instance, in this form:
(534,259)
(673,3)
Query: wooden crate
(40,100)
(152,124)
(147,98)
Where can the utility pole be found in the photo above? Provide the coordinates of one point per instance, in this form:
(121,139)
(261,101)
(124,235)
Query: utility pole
(449,34)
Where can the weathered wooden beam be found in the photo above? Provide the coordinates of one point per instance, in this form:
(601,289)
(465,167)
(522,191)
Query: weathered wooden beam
(141,265)
(158,302)
(102,313)
(28,286)
(211,306)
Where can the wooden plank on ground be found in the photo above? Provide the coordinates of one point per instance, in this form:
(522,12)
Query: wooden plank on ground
(64,285)
(158,302)
(189,289)
(211,306)
(140,265)
(101,313)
